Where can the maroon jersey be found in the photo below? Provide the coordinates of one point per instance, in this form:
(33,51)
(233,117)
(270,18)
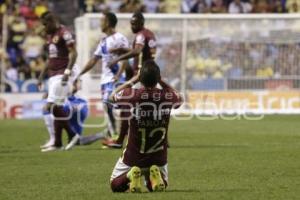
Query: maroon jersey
(57,45)
(146,38)
(150,111)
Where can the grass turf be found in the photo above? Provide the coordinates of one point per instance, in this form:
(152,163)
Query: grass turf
(211,159)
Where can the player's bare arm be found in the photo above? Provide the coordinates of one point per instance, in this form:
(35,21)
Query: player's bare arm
(121,70)
(72,58)
(119,51)
(90,64)
(127,84)
(131,54)
(165,85)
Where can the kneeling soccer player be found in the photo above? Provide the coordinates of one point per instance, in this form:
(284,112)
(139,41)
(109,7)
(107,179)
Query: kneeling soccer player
(149,102)
(78,113)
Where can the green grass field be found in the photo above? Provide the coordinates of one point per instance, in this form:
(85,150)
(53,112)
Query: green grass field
(217,159)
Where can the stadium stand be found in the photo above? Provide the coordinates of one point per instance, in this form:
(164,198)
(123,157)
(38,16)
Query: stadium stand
(24,58)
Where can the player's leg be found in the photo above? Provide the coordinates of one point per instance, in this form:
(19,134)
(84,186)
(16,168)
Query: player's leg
(111,119)
(108,108)
(125,177)
(62,114)
(157,178)
(49,123)
(130,180)
(77,122)
(124,126)
(90,139)
(118,143)
(57,144)
(120,183)
(123,130)
(56,97)
(61,121)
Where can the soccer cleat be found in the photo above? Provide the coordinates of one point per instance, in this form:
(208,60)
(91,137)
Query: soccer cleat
(134,176)
(111,143)
(47,144)
(73,142)
(52,148)
(156,180)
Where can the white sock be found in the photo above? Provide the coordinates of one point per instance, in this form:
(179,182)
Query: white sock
(49,122)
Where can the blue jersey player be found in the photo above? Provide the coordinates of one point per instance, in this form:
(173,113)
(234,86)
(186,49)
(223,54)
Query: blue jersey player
(78,109)
(78,112)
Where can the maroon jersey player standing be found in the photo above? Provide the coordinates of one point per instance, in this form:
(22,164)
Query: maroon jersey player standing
(144,48)
(146,152)
(62,55)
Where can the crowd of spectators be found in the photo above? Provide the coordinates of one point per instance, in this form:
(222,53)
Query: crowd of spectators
(191,6)
(208,59)
(25,57)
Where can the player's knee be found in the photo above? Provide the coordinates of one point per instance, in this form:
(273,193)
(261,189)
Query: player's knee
(116,186)
(60,112)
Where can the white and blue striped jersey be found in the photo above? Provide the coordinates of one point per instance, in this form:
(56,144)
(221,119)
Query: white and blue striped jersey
(117,40)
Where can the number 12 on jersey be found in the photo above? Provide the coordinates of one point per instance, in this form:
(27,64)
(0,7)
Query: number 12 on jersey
(158,146)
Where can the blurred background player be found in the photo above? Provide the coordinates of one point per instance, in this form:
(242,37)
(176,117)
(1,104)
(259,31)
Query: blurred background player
(49,118)
(144,48)
(62,55)
(146,151)
(113,74)
(78,109)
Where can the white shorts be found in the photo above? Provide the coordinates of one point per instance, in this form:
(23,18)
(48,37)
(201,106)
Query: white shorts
(75,73)
(121,168)
(57,93)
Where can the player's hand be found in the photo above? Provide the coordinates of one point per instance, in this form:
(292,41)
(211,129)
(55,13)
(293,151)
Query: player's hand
(116,78)
(64,80)
(111,96)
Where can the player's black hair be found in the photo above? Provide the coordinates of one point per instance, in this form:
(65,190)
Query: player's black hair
(139,16)
(112,19)
(46,14)
(150,73)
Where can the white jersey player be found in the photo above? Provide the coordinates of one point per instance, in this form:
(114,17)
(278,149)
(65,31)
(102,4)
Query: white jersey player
(111,76)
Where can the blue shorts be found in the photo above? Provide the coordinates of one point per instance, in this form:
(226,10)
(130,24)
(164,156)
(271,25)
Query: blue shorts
(108,88)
